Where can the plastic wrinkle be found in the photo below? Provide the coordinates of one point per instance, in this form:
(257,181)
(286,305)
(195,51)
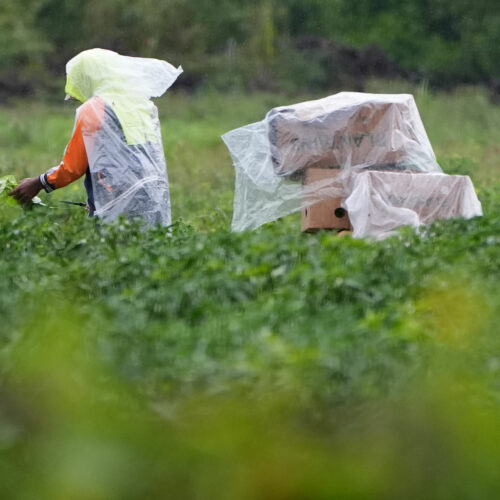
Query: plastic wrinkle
(127,165)
(382,201)
(127,193)
(374,154)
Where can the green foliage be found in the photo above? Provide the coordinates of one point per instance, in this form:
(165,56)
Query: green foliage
(446,41)
(7,184)
(190,362)
(235,44)
(23,45)
(136,359)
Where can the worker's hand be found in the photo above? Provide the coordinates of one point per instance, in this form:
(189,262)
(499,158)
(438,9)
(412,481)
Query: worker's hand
(26,190)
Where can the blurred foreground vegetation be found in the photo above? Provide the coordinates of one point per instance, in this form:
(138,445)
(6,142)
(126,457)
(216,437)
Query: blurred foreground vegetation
(194,363)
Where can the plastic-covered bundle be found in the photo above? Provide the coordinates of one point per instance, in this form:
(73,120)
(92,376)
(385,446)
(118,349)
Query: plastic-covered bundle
(121,132)
(379,201)
(341,135)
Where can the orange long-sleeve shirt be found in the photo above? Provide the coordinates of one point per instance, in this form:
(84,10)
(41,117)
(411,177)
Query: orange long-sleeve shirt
(75,161)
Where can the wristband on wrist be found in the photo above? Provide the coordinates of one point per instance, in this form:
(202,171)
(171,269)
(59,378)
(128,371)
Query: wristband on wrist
(45,183)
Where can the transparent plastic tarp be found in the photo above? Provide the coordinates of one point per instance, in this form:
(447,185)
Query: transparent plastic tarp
(379,202)
(121,132)
(303,154)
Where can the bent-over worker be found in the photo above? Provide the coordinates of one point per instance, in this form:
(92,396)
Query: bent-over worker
(116,141)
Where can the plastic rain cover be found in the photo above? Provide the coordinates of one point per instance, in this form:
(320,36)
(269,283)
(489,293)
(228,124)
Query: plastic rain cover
(341,137)
(121,132)
(381,201)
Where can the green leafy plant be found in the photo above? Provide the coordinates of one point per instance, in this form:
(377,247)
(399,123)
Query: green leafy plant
(7,184)
(191,362)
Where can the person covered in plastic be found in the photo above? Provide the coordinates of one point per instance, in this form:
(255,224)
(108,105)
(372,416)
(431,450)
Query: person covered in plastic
(116,141)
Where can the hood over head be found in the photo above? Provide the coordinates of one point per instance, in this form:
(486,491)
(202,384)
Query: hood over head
(125,83)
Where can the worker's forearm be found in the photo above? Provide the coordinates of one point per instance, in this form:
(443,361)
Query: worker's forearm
(73,166)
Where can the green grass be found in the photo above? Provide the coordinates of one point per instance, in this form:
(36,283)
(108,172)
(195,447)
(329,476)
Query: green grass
(196,363)
(462,128)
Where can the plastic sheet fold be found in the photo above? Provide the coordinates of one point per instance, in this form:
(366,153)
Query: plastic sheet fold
(379,202)
(121,132)
(344,136)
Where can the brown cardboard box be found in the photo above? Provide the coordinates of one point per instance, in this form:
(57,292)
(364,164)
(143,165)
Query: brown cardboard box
(325,214)
(310,136)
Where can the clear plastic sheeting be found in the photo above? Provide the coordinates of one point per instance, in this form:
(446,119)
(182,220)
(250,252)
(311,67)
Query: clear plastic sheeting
(121,132)
(379,202)
(342,135)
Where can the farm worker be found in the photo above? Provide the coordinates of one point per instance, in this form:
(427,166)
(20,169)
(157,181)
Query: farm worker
(116,140)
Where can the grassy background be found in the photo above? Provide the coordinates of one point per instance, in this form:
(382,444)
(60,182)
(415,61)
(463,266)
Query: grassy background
(195,363)
(462,127)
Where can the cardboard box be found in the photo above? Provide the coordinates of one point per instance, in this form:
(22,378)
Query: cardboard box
(309,135)
(382,201)
(325,185)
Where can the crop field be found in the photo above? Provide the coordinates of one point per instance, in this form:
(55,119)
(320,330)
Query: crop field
(195,363)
